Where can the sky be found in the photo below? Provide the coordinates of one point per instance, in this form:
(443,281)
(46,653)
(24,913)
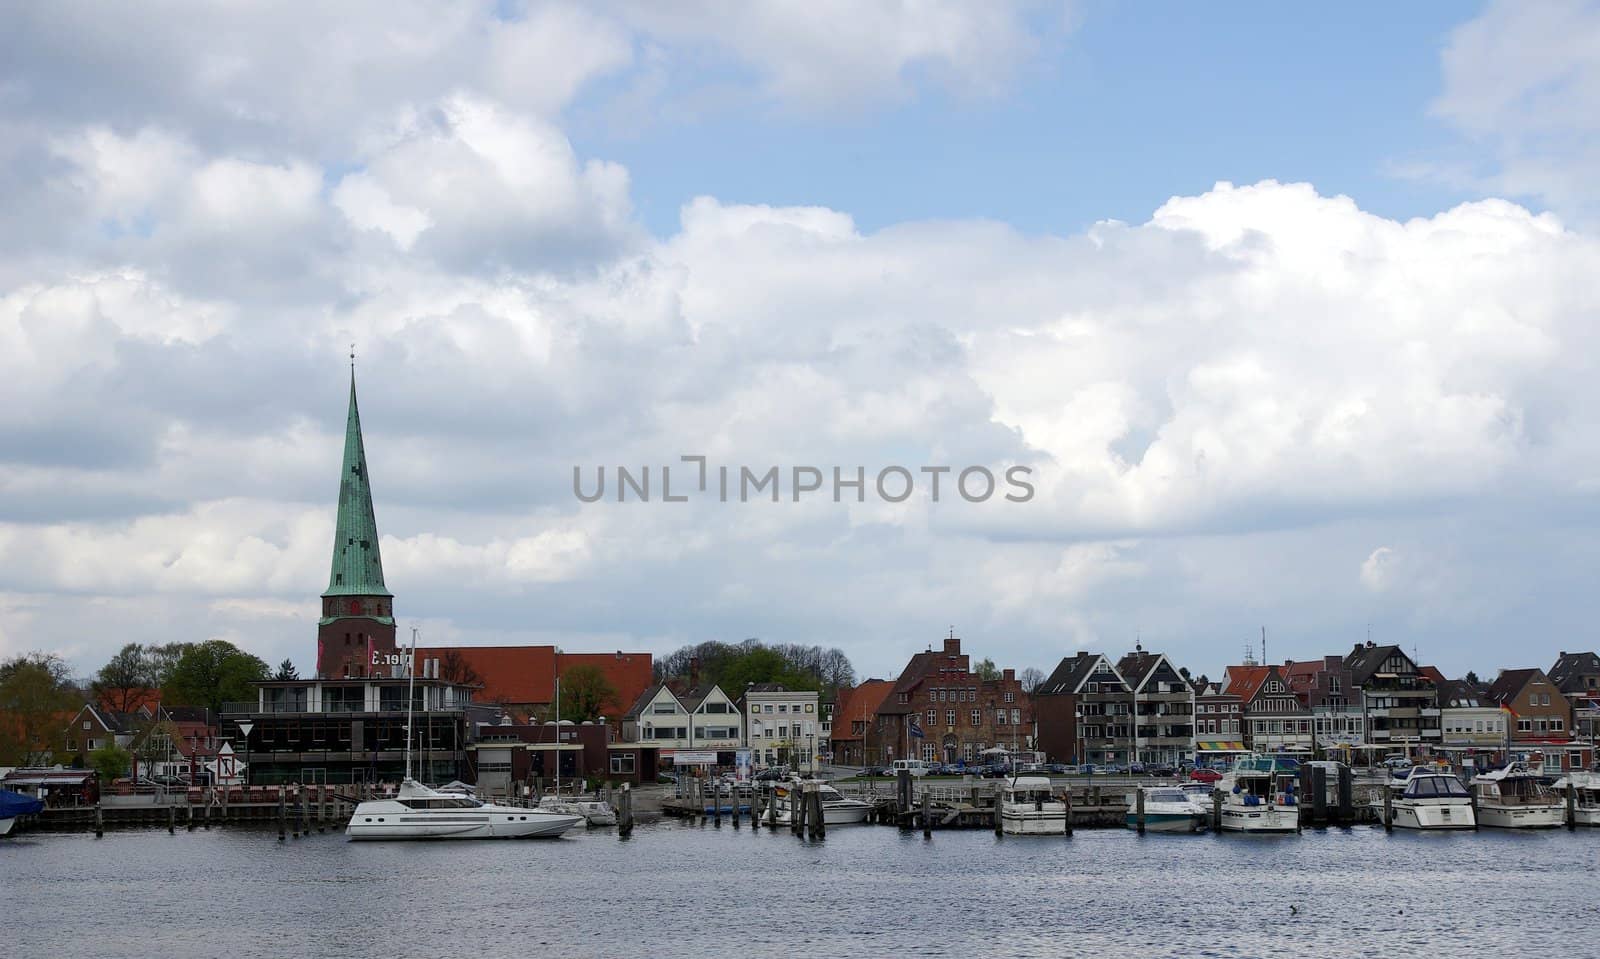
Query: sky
(1288,314)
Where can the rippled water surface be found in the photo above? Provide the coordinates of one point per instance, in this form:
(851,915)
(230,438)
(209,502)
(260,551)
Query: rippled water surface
(677,890)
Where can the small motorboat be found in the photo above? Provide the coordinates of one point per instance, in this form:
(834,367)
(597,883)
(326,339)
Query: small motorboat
(1168,809)
(14,804)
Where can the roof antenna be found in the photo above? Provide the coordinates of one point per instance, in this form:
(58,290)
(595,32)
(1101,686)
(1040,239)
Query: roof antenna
(1264,657)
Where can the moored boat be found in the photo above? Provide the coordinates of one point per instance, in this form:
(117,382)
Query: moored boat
(837,809)
(1586,804)
(417,812)
(1516,797)
(1431,798)
(1168,809)
(14,804)
(1258,795)
(1029,807)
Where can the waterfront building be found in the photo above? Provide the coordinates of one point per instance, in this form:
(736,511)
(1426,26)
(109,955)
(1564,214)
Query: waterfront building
(1163,708)
(1275,720)
(783,726)
(700,719)
(1577,675)
(1085,712)
(1399,704)
(857,734)
(1218,723)
(1325,687)
(354,730)
(1472,726)
(507,757)
(1538,720)
(941,711)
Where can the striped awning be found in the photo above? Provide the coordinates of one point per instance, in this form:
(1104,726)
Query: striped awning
(1219,746)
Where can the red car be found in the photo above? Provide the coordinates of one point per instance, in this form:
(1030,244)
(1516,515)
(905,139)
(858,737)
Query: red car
(1205,775)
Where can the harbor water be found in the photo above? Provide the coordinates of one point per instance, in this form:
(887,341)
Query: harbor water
(683,890)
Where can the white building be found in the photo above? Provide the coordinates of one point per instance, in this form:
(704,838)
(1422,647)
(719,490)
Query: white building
(784,727)
(700,719)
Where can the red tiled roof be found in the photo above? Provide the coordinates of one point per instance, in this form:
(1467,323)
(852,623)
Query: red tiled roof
(526,674)
(859,701)
(1244,681)
(1432,672)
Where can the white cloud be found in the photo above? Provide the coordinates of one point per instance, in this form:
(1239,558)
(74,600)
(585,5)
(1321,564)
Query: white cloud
(1524,80)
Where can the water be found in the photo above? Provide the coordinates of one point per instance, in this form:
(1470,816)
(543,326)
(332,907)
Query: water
(679,890)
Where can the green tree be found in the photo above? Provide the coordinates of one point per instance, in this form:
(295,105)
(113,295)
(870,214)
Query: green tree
(286,671)
(36,702)
(125,680)
(164,659)
(155,742)
(214,672)
(110,761)
(586,695)
(987,670)
(1472,678)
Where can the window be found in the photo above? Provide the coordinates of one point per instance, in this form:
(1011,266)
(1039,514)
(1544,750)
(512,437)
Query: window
(977,717)
(933,716)
(86,724)
(1524,725)
(783,707)
(1000,717)
(1016,717)
(664,708)
(949,717)
(1557,725)
(1011,697)
(622,764)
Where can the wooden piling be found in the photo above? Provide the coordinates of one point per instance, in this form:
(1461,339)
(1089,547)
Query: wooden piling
(305,812)
(205,816)
(903,790)
(1216,809)
(999,825)
(625,812)
(1347,794)
(1388,808)
(1138,810)
(927,815)
(172,820)
(190,806)
(716,804)
(772,809)
(1319,795)
(819,825)
(99,821)
(1066,798)
(1572,805)
(283,814)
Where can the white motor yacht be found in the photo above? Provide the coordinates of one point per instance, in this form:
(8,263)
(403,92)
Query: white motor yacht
(1516,797)
(1168,809)
(417,812)
(1258,795)
(1431,798)
(1030,807)
(837,808)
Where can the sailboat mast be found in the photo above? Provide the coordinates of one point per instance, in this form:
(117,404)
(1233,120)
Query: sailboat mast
(411,694)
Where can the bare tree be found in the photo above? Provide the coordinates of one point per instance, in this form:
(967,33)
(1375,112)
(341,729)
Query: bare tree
(1031,678)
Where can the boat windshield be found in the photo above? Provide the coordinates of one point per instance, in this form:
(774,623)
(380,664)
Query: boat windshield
(829,794)
(441,802)
(1168,795)
(1435,787)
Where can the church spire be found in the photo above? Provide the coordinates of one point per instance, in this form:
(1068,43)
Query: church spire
(357,567)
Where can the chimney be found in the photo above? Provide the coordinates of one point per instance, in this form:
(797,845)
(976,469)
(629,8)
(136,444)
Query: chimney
(1563,653)
(952,646)
(1009,675)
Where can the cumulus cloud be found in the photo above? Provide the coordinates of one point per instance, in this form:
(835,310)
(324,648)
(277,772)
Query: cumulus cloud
(1225,406)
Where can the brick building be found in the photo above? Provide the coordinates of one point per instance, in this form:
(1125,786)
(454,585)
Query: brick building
(1539,719)
(940,710)
(1085,710)
(857,732)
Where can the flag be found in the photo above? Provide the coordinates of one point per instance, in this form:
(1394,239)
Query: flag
(916,728)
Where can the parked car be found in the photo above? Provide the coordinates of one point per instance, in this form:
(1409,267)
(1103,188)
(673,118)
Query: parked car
(1204,775)
(1112,769)
(771,774)
(1057,769)
(1136,769)
(1162,769)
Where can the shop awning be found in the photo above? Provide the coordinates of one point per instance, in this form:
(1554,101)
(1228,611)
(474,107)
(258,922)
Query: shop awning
(1219,746)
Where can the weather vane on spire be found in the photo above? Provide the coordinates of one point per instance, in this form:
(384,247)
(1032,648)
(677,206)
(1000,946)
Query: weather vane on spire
(352,357)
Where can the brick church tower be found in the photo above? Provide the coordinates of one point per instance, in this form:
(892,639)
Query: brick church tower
(355,635)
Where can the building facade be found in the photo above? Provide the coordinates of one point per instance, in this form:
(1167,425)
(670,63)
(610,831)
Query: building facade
(783,727)
(1086,712)
(1274,719)
(1399,703)
(352,730)
(1472,727)
(698,719)
(1538,720)
(941,711)
(1218,724)
(1163,709)
(856,731)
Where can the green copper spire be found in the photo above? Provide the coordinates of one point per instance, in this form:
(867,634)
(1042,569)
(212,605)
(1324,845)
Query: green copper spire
(357,567)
